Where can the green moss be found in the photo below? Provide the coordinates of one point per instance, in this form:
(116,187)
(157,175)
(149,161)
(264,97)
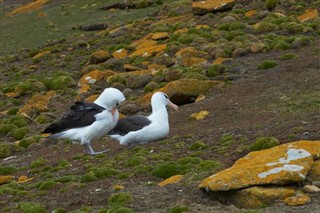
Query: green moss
(179,209)
(226,139)
(64,163)
(40,162)
(270,4)
(264,143)
(116,78)
(30,140)
(12,111)
(142,169)
(47,185)
(119,209)
(17,120)
(198,145)
(58,83)
(7,170)
(281,45)
(267,64)
(236,25)
(168,169)
(18,134)
(105,172)
(265,26)
(186,38)
(209,165)
(65,179)
(59,210)
(6,128)
(5,150)
(32,207)
(135,161)
(289,56)
(120,199)
(42,119)
(88,178)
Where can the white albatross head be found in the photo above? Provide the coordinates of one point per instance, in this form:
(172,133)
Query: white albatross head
(160,98)
(110,98)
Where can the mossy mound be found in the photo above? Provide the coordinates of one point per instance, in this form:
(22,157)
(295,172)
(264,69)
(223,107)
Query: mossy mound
(264,143)
(168,169)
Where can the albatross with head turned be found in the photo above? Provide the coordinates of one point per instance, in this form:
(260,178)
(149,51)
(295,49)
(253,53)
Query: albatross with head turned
(142,129)
(85,121)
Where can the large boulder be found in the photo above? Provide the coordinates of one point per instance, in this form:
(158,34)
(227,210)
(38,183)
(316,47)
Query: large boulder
(261,177)
(210,6)
(183,90)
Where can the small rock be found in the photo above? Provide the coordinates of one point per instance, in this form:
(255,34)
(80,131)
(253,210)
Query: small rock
(228,19)
(118,86)
(160,35)
(171,180)
(5,179)
(210,6)
(308,15)
(99,57)
(311,189)
(239,52)
(297,200)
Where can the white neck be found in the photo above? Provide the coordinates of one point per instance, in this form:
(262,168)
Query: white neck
(159,112)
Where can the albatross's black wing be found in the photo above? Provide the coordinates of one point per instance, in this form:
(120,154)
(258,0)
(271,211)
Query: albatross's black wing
(80,114)
(130,124)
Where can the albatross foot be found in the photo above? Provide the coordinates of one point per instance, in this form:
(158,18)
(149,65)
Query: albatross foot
(90,151)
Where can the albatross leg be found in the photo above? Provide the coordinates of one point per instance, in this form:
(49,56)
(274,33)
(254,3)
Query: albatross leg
(91,152)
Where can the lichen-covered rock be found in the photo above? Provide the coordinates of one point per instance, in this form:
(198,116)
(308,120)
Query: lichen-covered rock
(200,115)
(210,6)
(308,15)
(148,51)
(120,54)
(38,102)
(297,200)
(184,88)
(99,57)
(282,164)
(160,35)
(189,56)
(34,5)
(6,179)
(91,78)
(41,54)
(171,180)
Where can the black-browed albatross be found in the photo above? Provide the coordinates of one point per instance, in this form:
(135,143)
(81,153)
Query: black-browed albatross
(142,129)
(85,121)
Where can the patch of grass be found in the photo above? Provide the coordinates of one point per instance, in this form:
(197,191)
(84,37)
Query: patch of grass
(264,143)
(198,145)
(59,210)
(46,185)
(40,162)
(270,4)
(6,128)
(289,56)
(119,209)
(179,209)
(267,64)
(105,172)
(32,207)
(18,134)
(7,170)
(65,179)
(168,169)
(88,178)
(120,199)
(211,165)
(236,25)
(30,140)
(189,161)
(135,161)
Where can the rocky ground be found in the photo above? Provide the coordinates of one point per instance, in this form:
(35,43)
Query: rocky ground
(270,89)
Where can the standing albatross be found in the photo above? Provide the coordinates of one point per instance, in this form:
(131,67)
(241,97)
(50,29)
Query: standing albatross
(85,121)
(142,129)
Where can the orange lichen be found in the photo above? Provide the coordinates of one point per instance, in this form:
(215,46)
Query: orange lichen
(208,6)
(297,200)
(200,98)
(156,67)
(221,60)
(5,179)
(160,35)
(202,26)
(250,13)
(23,179)
(147,51)
(308,15)
(271,166)
(117,187)
(41,54)
(130,67)
(28,7)
(91,78)
(171,180)
(200,115)
(120,54)
(183,30)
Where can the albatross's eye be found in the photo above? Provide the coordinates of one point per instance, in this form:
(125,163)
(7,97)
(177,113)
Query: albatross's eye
(166,96)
